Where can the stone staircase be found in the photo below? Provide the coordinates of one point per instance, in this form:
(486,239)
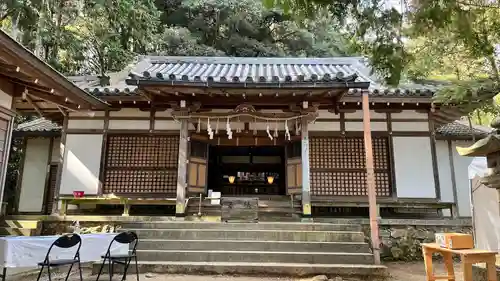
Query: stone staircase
(265,248)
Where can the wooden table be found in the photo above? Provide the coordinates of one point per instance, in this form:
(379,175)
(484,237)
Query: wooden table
(468,258)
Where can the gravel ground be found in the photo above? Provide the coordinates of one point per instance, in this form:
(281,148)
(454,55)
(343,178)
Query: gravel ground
(399,272)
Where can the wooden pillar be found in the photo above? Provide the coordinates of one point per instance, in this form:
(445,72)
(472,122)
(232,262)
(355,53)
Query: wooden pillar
(370,179)
(435,167)
(62,148)
(5,160)
(19,182)
(104,151)
(454,209)
(182,169)
(306,182)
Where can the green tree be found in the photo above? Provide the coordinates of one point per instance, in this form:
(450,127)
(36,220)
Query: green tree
(469,33)
(374,27)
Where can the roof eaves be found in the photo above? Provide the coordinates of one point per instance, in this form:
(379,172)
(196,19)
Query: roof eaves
(68,85)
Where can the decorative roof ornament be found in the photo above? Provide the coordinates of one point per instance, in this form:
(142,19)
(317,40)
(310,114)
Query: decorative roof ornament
(489,147)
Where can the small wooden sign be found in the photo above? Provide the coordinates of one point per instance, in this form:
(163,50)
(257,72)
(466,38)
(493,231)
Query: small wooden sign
(240,209)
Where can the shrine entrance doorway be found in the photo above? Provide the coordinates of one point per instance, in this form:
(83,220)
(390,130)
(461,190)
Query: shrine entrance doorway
(247,170)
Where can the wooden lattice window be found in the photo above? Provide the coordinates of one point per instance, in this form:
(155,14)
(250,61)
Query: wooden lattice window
(141,164)
(338,166)
(49,198)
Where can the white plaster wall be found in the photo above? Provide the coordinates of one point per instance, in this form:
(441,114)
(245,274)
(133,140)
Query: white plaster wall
(410,126)
(323,126)
(326,114)
(444,171)
(34,175)
(413,167)
(82,160)
(461,164)
(84,114)
(358,126)
(129,124)
(409,114)
(486,216)
(5,100)
(85,124)
(165,113)
(358,114)
(129,112)
(167,125)
(56,150)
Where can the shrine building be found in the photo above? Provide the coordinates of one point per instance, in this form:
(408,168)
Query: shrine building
(175,131)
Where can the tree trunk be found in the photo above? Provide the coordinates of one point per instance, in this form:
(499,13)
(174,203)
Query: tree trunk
(471,129)
(493,64)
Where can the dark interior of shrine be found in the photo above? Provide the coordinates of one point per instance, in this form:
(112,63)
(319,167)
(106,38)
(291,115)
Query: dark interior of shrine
(247,170)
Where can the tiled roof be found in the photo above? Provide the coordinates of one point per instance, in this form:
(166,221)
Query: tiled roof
(251,70)
(90,83)
(268,72)
(38,125)
(462,129)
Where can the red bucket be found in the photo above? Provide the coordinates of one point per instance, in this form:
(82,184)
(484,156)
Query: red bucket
(78,194)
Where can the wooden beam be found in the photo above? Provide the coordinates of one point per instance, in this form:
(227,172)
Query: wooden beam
(435,166)
(455,211)
(104,152)
(58,101)
(370,179)
(37,109)
(64,113)
(37,69)
(60,164)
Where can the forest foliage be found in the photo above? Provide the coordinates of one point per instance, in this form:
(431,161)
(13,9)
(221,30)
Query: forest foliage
(101,36)
(452,40)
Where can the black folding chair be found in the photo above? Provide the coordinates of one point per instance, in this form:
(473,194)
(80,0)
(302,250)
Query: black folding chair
(65,242)
(129,238)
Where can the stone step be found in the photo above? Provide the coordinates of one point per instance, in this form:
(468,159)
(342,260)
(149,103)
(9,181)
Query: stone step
(252,245)
(19,223)
(245,226)
(363,272)
(284,210)
(254,256)
(255,234)
(9,231)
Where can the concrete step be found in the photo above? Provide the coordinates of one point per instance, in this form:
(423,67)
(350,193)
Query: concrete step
(254,256)
(245,226)
(255,234)
(251,245)
(363,272)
